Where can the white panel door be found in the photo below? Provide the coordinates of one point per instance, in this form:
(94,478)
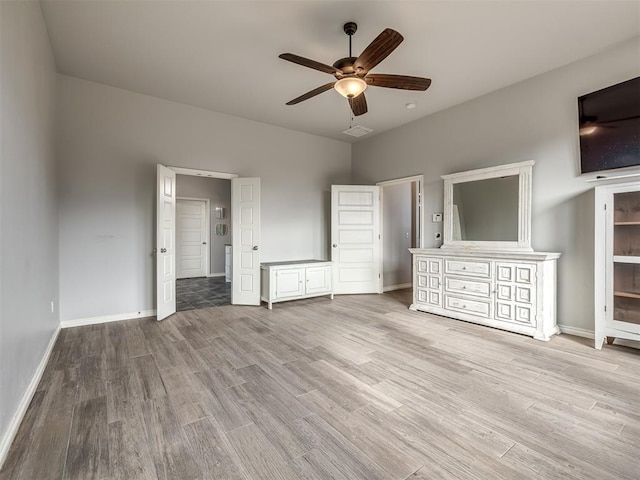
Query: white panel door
(191,238)
(245,220)
(355,238)
(165,243)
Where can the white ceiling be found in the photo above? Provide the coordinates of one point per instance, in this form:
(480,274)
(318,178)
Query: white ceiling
(223,55)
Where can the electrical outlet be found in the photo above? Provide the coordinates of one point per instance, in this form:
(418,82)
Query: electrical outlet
(436,217)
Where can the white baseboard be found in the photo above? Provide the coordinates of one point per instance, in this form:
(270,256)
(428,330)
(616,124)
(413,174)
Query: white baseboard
(391,288)
(216,275)
(107,318)
(578,332)
(9,435)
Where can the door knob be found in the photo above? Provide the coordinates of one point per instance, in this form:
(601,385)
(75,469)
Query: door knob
(204,243)
(335,245)
(163,250)
(255,247)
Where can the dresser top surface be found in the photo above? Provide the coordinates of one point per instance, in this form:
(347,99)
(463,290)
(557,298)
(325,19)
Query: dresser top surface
(292,263)
(488,254)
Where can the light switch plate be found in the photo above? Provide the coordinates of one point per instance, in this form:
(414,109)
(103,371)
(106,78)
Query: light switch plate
(436,217)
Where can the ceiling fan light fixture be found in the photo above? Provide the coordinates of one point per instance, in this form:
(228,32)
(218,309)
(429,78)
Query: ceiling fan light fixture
(588,130)
(350,87)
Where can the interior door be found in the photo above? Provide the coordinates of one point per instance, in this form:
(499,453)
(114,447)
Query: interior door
(245,220)
(191,238)
(165,243)
(355,238)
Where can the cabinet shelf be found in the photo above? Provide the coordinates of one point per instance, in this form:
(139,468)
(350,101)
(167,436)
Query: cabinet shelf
(626,259)
(627,223)
(627,294)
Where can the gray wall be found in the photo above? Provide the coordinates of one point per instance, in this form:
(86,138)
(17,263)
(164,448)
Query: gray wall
(535,119)
(109,142)
(218,191)
(28,209)
(396,226)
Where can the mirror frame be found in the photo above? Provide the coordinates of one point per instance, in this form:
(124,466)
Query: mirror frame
(524,172)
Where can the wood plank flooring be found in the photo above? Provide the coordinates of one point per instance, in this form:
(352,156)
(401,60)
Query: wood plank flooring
(354,388)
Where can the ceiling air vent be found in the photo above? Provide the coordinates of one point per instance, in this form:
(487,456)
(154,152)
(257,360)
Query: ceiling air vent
(357,131)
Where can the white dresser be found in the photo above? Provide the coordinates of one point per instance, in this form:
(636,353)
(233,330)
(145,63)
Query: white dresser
(293,280)
(513,291)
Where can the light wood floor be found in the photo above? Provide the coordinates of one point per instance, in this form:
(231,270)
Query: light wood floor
(354,388)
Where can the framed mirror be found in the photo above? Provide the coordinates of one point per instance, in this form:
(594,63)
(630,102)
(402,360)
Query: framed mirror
(221,213)
(221,229)
(489,208)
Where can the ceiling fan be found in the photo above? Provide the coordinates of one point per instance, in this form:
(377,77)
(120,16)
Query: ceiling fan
(352,73)
(589,124)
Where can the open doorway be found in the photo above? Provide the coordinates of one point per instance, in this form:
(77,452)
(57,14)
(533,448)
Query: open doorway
(203,241)
(401,213)
(245,237)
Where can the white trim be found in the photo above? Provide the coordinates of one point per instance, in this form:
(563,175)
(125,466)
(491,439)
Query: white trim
(107,318)
(14,424)
(207,236)
(391,288)
(578,332)
(491,172)
(216,275)
(414,178)
(419,180)
(202,173)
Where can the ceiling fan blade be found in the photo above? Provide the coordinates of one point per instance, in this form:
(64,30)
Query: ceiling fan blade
(404,82)
(617,120)
(305,62)
(312,93)
(378,50)
(358,105)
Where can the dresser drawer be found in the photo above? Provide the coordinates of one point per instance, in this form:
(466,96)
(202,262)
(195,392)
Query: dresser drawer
(466,305)
(472,268)
(465,286)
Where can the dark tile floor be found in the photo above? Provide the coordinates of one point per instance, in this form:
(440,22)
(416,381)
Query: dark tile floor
(194,293)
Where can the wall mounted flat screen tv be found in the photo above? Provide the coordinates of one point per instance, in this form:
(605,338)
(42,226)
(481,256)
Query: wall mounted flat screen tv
(610,127)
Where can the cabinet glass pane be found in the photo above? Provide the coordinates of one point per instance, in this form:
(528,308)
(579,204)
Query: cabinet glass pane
(626,207)
(626,240)
(626,220)
(626,286)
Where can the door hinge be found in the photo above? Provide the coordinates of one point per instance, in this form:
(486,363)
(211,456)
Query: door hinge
(605,206)
(605,308)
(379,276)
(379,237)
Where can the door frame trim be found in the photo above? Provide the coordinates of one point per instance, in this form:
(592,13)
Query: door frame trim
(194,172)
(207,222)
(419,179)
